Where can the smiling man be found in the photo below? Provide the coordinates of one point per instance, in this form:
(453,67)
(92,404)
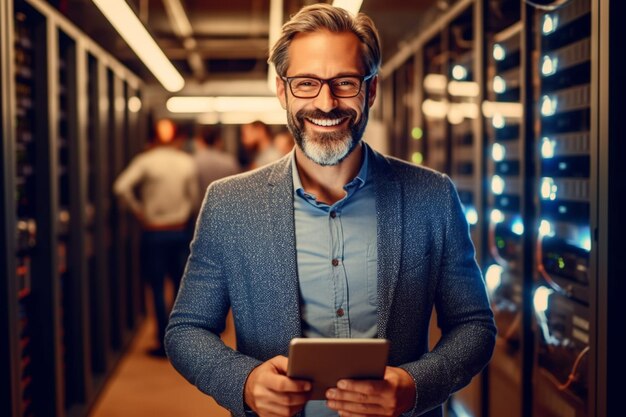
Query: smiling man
(333,240)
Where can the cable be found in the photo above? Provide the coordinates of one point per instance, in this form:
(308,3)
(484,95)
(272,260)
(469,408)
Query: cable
(544,272)
(555,5)
(572,375)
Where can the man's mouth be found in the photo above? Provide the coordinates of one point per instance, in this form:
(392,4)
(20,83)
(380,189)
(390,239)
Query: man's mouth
(325,122)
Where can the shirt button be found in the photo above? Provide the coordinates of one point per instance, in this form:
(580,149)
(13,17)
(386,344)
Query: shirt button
(340,312)
(335,262)
(333,214)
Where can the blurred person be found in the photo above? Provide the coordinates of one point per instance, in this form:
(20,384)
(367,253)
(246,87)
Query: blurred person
(256,138)
(160,187)
(283,141)
(211,160)
(332,240)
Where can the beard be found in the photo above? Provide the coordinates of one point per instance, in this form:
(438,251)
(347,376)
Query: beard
(327,148)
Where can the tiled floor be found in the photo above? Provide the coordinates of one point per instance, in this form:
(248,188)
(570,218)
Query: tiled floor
(150,387)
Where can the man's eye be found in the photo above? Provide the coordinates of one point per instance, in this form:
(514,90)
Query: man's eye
(346,83)
(306,83)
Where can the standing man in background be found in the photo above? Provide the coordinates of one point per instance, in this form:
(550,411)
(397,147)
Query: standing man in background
(333,240)
(160,187)
(212,162)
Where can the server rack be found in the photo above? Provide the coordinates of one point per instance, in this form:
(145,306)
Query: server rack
(550,217)
(56,195)
(564,294)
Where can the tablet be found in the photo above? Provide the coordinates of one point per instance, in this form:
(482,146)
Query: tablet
(324,361)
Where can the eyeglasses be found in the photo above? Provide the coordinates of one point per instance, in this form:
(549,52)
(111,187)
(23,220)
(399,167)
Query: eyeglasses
(346,86)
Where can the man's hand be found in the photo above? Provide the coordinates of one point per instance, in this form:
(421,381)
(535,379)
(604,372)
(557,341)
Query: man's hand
(270,393)
(392,396)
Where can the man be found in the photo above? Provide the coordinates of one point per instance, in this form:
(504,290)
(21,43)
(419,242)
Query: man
(256,138)
(333,240)
(166,182)
(212,162)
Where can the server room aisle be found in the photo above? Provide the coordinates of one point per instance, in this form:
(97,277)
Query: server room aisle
(147,386)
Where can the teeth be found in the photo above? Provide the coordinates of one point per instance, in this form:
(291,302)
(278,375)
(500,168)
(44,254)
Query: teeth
(325,122)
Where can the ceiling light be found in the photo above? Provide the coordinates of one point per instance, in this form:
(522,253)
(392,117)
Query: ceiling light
(134,104)
(177,14)
(504,109)
(463,88)
(435,83)
(238,118)
(190,104)
(223,104)
(137,37)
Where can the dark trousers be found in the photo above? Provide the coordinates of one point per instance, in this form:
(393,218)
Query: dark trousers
(163,253)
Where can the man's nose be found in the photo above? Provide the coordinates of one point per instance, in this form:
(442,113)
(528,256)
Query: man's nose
(325,101)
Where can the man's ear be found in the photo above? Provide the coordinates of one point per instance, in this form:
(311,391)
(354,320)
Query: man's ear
(373,87)
(280,92)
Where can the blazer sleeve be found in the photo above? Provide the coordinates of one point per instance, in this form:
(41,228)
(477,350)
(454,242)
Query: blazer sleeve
(192,339)
(463,314)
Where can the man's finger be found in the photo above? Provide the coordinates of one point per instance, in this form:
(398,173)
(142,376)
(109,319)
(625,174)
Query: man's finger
(289,399)
(281,383)
(280,362)
(369,387)
(353,396)
(356,407)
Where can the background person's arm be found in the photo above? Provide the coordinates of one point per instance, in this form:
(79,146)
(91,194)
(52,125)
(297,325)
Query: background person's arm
(125,184)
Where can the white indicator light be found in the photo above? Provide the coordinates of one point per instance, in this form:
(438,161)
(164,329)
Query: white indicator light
(496,216)
(459,72)
(541,299)
(545,228)
(497,184)
(547,147)
(471,215)
(498,152)
(550,24)
(548,106)
(493,277)
(549,65)
(498,121)
(548,189)
(517,227)
(498,52)
(499,85)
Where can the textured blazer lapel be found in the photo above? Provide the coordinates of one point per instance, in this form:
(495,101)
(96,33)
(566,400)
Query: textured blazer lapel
(283,246)
(389,236)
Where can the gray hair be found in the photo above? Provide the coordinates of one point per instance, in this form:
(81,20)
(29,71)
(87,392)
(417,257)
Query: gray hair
(334,19)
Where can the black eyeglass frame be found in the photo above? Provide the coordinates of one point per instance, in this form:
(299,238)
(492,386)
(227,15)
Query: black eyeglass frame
(362,79)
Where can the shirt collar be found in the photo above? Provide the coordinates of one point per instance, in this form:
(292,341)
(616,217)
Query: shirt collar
(359,180)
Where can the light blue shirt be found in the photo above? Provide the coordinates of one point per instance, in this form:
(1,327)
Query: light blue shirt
(337,257)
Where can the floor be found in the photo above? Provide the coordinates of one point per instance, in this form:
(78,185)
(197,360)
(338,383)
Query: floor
(146,386)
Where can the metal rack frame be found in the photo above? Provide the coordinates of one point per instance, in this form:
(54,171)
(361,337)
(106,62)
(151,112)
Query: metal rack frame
(70,389)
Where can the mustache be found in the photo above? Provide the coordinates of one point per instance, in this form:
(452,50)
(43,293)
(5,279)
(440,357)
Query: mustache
(333,114)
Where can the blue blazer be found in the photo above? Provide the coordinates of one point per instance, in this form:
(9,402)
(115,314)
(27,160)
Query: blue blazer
(243,256)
